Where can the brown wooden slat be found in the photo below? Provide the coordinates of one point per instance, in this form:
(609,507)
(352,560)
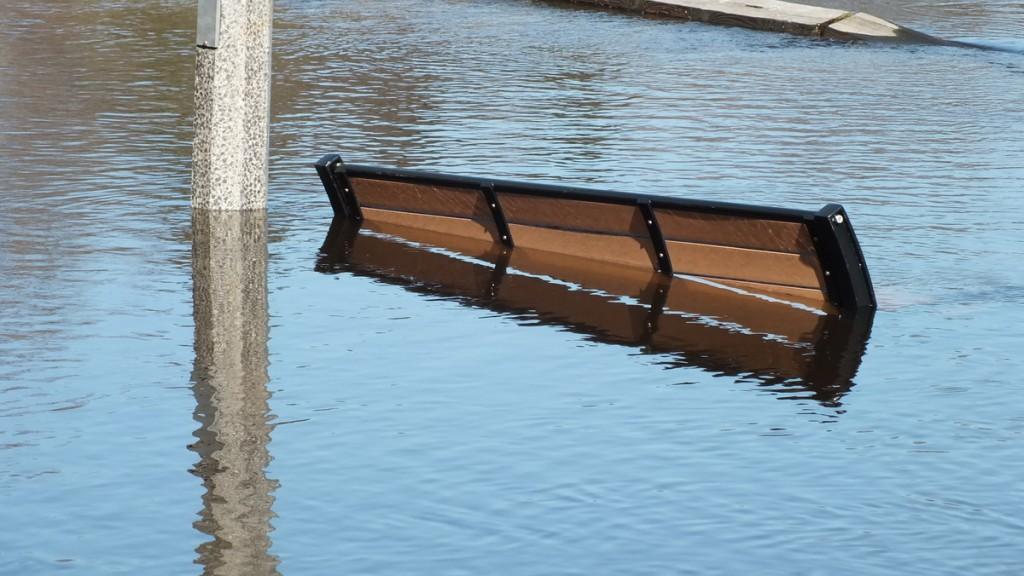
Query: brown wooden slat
(573,214)
(421,198)
(428,228)
(613,250)
(771,235)
(743,264)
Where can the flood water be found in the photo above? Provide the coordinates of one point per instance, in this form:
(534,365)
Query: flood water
(332,418)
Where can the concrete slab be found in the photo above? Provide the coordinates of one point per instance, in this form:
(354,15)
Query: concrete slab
(774,16)
(771,15)
(865,26)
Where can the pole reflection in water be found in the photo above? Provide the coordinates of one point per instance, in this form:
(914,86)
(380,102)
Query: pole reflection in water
(790,348)
(229,275)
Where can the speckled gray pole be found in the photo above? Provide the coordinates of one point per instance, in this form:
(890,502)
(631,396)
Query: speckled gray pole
(232,105)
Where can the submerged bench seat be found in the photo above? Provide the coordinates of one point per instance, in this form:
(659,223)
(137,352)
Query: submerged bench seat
(810,257)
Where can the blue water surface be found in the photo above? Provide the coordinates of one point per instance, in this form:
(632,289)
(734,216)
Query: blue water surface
(363,427)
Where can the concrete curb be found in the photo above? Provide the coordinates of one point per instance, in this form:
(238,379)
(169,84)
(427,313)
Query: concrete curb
(775,16)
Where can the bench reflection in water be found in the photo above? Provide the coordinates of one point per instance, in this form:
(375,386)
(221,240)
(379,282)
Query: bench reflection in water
(694,323)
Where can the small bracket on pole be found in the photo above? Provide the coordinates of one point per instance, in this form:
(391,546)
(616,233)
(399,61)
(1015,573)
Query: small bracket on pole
(339,190)
(662,259)
(500,224)
(208,24)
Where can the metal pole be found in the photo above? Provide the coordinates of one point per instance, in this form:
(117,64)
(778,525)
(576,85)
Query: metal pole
(232,104)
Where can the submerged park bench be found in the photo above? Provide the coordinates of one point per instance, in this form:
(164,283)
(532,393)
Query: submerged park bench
(809,258)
